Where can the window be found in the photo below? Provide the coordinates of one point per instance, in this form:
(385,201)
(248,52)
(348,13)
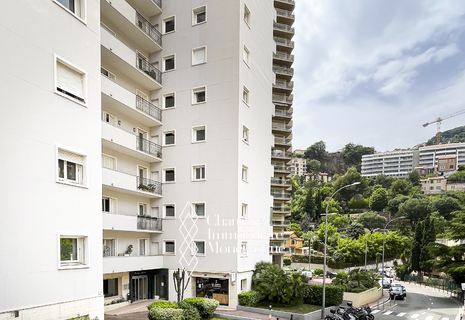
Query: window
(245,95)
(452,187)
(199,95)
(244,249)
(198,134)
(169,247)
(109,118)
(168,63)
(108,162)
(199,55)
(70,82)
(109,247)
(199,15)
(199,209)
(76,7)
(244,285)
(246,15)
(143,209)
(198,248)
(246,56)
(198,173)
(169,211)
(245,134)
(169,175)
(244,211)
(169,100)
(70,167)
(73,251)
(438,187)
(143,247)
(169,25)
(431,188)
(442,167)
(244,173)
(110,287)
(451,166)
(169,138)
(109,204)
(108,74)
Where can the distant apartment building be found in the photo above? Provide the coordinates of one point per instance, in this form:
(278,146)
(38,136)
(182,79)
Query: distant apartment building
(298,166)
(433,185)
(441,159)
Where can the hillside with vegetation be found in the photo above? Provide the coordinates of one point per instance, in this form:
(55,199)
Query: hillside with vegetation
(450,136)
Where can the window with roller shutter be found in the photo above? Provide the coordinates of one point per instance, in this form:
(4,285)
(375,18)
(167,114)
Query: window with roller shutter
(70,82)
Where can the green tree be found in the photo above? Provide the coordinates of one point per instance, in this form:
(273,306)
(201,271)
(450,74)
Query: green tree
(414,178)
(296,228)
(313,166)
(416,248)
(352,154)
(355,230)
(337,220)
(384,181)
(457,176)
(445,205)
(400,187)
(371,220)
(334,206)
(415,209)
(379,199)
(394,204)
(350,177)
(297,205)
(429,235)
(310,207)
(316,151)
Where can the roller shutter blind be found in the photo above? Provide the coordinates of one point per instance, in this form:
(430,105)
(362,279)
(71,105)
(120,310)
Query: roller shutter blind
(70,81)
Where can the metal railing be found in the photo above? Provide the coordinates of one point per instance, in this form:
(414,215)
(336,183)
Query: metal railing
(288,1)
(280,154)
(280,222)
(148,147)
(284,84)
(148,68)
(282,98)
(280,126)
(282,209)
(283,56)
(281,168)
(280,181)
(149,223)
(148,29)
(285,195)
(285,13)
(279,140)
(283,27)
(281,112)
(283,70)
(284,42)
(158,3)
(148,108)
(149,185)
(278,249)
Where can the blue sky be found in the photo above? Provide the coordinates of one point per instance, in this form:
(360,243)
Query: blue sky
(373,72)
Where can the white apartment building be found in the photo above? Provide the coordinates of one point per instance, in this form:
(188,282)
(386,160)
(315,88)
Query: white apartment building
(438,156)
(179,163)
(298,166)
(396,163)
(50,172)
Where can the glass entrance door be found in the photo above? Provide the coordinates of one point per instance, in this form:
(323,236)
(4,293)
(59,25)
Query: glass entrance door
(139,288)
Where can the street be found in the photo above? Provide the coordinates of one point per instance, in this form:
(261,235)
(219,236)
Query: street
(420,304)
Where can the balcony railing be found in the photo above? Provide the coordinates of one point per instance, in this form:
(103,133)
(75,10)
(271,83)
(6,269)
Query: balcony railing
(280,126)
(281,168)
(280,154)
(149,223)
(280,222)
(281,209)
(149,185)
(280,181)
(283,70)
(148,147)
(148,108)
(276,249)
(283,113)
(279,140)
(283,27)
(148,68)
(285,13)
(284,42)
(288,1)
(148,29)
(283,56)
(284,84)
(285,195)
(157,2)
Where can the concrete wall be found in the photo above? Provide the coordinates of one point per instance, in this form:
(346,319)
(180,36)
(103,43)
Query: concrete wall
(360,299)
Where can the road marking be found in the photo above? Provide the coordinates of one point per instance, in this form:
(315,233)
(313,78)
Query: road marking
(416,315)
(401,314)
(387,313)
(429,318)
(375,311)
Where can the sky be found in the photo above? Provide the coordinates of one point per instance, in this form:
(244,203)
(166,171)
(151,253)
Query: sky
(373,72)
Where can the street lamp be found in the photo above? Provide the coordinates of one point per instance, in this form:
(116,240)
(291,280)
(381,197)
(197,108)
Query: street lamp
(384,240)
(326,241)
(366,246)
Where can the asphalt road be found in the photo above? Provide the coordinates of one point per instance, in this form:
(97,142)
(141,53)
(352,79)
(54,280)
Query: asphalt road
(420,304)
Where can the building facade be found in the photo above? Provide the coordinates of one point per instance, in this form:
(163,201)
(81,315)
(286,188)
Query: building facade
(176,174)
(394,163)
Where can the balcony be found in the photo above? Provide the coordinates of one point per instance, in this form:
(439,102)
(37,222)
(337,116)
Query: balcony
(131,23)
(283,30)
(284,4)
(126,183)
(281,98)
(283,85)
(130,144)
(148,7)
(278,250)
(281,223)
(283,57)
(115,97)
(278,195)
(280,154)
(281,127)
(281,209)
(131,263)
(281,169)
(123,60)
(285,16)
(282,141)
(280,113)
(283,71)
(280,182)
(284,44)
(131,223)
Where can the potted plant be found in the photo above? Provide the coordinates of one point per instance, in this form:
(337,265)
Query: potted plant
(128,251)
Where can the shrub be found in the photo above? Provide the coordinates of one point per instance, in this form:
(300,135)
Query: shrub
(205,306)
(162,304)
(249,299)
(318,272)
(314,294)
(165,314)
(190,313)
(287,261)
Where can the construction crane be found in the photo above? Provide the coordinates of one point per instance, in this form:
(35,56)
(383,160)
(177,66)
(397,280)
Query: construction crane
(439,120)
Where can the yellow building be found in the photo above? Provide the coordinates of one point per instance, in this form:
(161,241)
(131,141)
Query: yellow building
(294,244)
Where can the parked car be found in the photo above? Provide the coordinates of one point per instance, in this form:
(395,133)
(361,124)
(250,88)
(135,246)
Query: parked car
(308,274)
(397,293)
(330,274)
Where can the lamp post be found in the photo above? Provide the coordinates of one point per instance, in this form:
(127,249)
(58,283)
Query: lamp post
(326,241)
(384,241)
(366,246)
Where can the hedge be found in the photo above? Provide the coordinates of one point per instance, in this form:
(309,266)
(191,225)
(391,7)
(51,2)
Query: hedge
(314,295)
(319,260)
(205,306)
(165,314)
(249,299)
(163,304)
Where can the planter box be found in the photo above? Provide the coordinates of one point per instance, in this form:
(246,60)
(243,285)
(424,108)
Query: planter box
(362,298)
(315,315)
